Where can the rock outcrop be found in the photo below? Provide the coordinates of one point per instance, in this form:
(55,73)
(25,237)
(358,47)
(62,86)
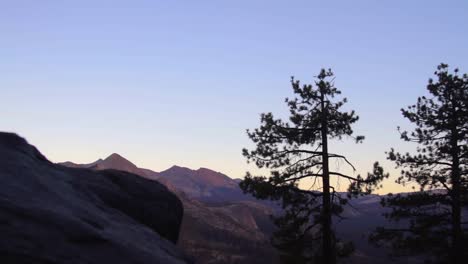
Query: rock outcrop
(54,214)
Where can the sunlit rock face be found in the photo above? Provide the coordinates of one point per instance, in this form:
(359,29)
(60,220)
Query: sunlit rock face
(55,214)
(202,184)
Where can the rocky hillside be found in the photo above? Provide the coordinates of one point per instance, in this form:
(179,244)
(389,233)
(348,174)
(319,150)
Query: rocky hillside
(220,224)
(54,214)
(203,184)
(225,233)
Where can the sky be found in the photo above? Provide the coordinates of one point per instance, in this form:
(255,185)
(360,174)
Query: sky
(179,82)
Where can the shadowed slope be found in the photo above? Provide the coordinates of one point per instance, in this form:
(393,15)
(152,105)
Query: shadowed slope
(54,214)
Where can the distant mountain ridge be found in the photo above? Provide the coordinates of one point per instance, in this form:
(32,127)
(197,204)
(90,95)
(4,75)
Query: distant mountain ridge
(116,162)
(202,184)
(221,224)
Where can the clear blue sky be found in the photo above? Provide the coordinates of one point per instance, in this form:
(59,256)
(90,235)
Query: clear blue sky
(178,82)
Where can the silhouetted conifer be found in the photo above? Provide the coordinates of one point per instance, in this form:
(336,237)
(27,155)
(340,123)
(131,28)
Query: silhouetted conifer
(298,149)
(432,217)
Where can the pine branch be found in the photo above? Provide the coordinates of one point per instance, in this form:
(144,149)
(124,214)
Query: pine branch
(342,157)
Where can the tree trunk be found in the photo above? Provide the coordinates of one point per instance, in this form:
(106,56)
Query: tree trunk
(456,203)
(328,252)
(455,195)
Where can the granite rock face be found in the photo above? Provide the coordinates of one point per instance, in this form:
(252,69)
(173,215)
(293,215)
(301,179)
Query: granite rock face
(54,214)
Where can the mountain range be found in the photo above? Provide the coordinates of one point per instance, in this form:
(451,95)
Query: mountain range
(221,224)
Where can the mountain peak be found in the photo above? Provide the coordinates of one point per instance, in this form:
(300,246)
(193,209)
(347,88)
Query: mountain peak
(177,170)
(116,161)
(115,156)
(202,169)
(176,167)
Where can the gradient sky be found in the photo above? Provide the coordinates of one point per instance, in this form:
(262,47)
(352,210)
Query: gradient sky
(178,82)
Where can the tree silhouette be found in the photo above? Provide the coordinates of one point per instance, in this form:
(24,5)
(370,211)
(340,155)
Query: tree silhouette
(295,150)
(440,168)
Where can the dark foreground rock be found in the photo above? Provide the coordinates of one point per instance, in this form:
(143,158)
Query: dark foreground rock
(53,214)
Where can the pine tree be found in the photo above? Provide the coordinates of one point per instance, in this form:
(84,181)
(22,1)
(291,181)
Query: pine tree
(439,168)
(295,150)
